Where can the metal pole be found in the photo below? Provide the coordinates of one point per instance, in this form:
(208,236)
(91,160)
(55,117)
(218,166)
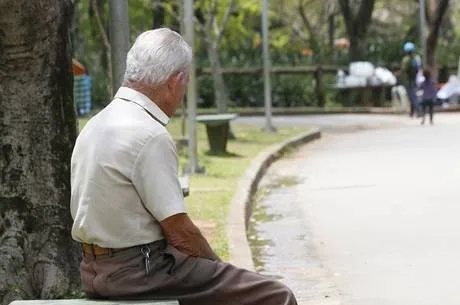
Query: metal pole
(119,39)
(458,68)
(266,56)
(183,116)
(422,22)
(189,36)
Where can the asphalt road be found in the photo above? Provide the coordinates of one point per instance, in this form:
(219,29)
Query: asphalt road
(373,217)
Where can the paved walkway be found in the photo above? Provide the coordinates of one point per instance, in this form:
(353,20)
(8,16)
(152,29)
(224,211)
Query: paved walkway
(366,218)
(332,123)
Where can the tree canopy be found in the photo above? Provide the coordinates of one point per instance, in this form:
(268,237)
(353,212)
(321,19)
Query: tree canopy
(302,32)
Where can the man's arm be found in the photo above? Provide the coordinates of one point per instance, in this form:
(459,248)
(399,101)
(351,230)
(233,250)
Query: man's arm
(181,233)
(156,181)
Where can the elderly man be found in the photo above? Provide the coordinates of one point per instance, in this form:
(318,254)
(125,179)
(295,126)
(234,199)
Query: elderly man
(127,203)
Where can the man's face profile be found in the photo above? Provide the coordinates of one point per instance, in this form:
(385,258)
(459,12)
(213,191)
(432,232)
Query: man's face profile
(177,86)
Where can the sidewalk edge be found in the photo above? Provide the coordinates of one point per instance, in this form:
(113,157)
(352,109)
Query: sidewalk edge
(241,204)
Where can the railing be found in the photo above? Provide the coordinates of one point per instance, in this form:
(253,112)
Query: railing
(318,72)
(291,70)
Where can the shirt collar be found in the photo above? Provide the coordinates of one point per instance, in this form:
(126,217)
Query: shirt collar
(143,101)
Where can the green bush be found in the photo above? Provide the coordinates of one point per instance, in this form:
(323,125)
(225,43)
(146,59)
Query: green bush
(248,90)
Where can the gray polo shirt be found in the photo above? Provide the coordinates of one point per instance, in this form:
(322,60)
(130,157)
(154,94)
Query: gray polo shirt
(124,174)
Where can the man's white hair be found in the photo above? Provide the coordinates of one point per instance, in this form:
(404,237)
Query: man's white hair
(156,56)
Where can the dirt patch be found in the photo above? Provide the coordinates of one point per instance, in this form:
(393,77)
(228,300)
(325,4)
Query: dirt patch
(207,228)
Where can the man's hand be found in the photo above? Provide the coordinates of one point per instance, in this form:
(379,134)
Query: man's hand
(181,233)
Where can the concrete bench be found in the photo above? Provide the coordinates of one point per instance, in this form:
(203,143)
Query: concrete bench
(367,95)
(92,302)
(217,128)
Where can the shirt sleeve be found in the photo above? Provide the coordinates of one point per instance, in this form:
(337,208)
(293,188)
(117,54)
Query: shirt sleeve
(155,177)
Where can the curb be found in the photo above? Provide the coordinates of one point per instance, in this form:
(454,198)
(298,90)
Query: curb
(322,111)
(369,110)
(241,204)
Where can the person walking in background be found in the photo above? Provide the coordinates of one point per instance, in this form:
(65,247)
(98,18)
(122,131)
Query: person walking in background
(428,86)
(411,64)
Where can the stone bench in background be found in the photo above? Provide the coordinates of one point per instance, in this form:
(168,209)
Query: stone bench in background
(217,129)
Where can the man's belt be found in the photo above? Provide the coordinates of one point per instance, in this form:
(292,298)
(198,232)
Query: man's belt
(96,250)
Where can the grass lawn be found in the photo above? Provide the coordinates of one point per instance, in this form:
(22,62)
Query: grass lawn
(211,193)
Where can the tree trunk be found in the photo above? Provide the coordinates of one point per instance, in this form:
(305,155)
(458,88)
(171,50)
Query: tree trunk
(220,90)
(357,25)
(97,7)
(312,31)
(356,50)
(331,35)
(76,37)
(431,45)
(158,14)
(436,12)
(37,130)
(319,87)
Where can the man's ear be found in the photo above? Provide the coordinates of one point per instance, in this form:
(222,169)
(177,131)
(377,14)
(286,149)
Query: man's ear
(175,79)
(182,77)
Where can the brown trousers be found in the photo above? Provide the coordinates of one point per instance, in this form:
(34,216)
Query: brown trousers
(172,274)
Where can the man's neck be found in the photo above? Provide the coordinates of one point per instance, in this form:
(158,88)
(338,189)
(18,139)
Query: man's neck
(154,94)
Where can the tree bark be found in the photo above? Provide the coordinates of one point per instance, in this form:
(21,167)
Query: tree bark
(312,31)
(331,35)
(76,37)
(220,89)
(356,48)
(95,5)
(319,87)
(37,130)
(213,33)
(158,14)
(436,11)
(357,25)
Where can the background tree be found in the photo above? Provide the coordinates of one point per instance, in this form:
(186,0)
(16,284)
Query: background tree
(37,132)
(158,14)
(436,12)
(357,16)
(294,41)
(312,23)
(97,12)
(214,20)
